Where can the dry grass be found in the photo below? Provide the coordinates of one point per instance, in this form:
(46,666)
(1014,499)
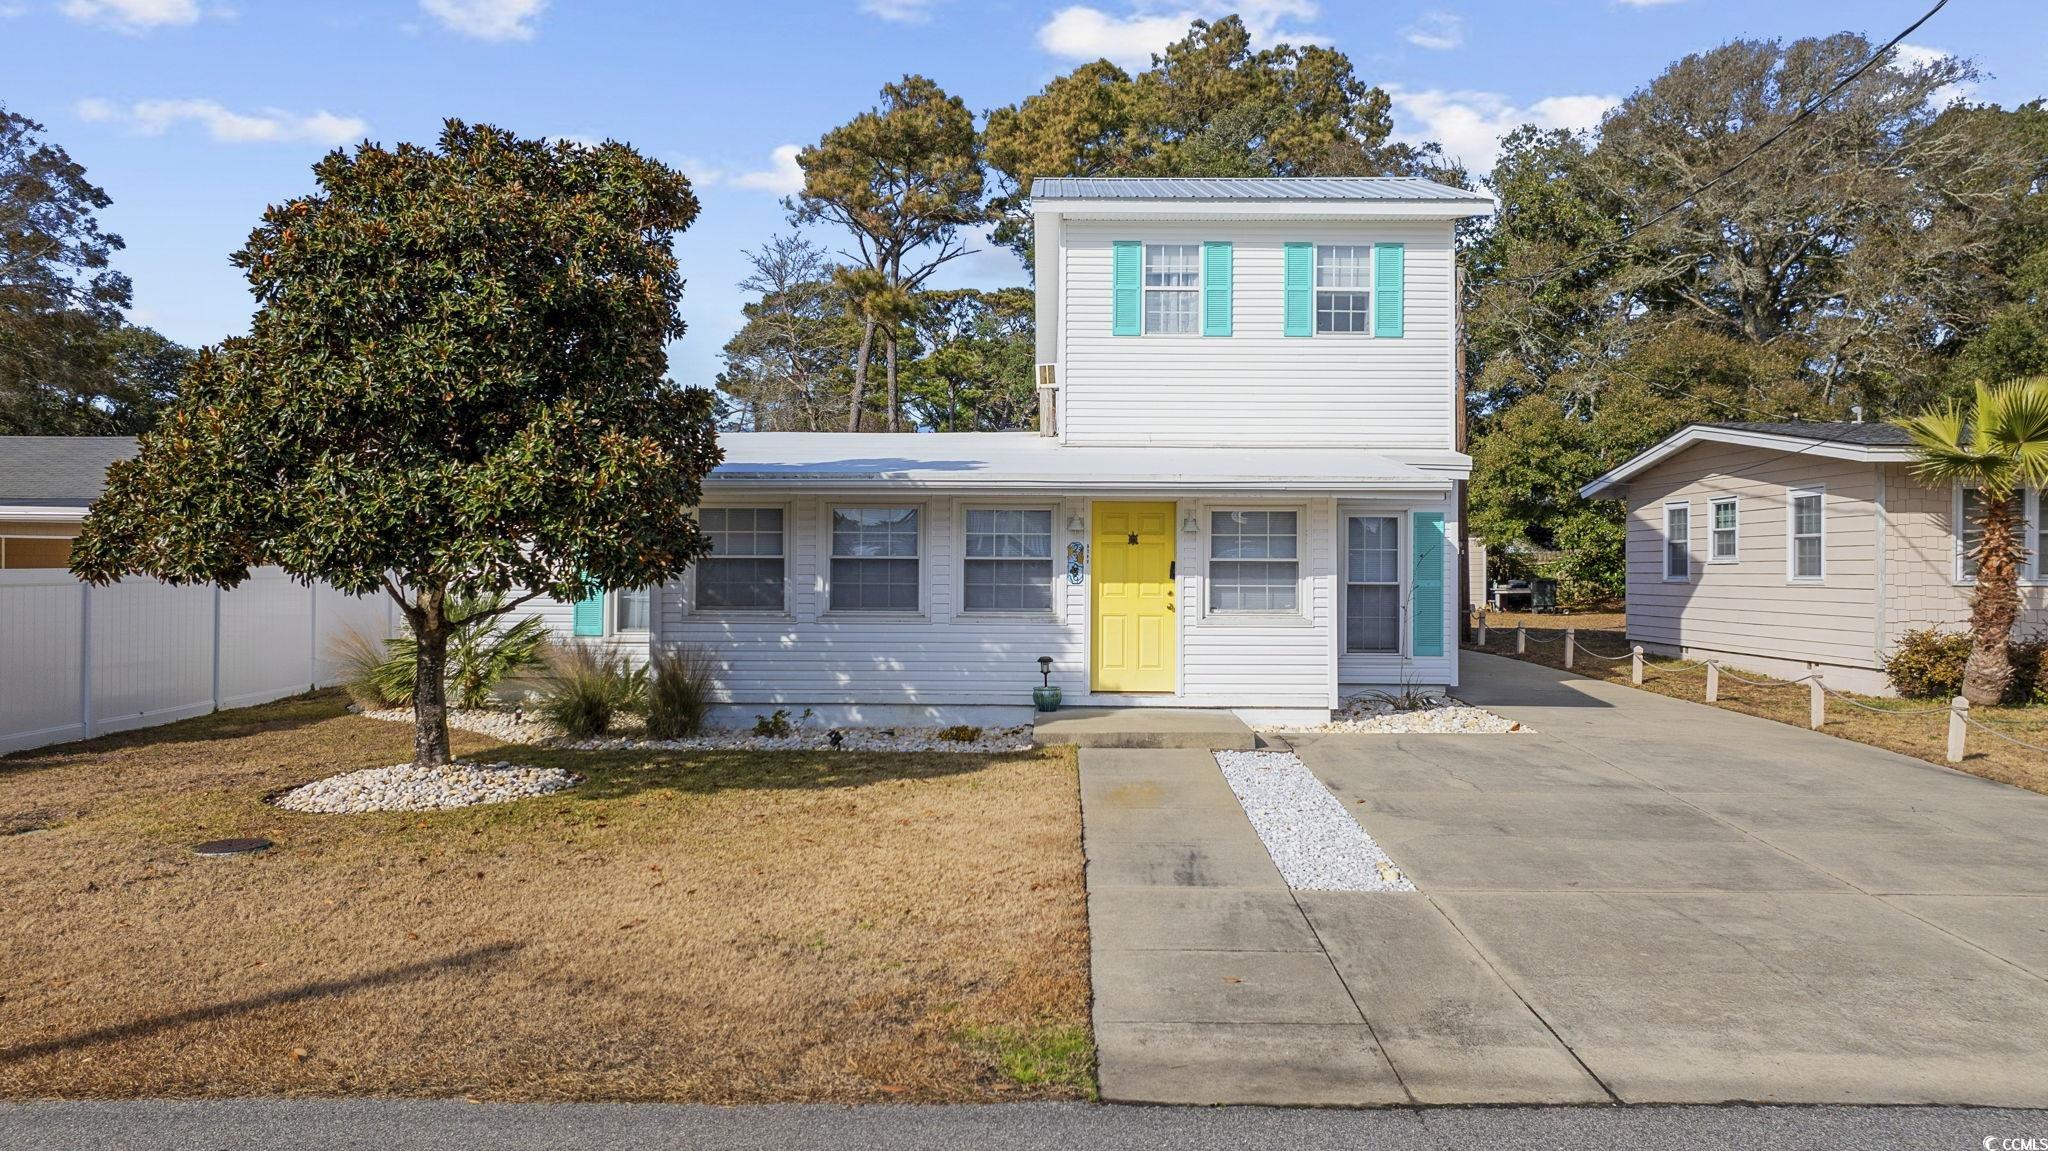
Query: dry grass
(1922,736)
(715,927)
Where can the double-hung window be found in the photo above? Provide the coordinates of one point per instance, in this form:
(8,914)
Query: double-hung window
(632,609)
(1372,592)
(1173,279)
(744,570)
(2028,510)
(1343,274)
(1806,526)
(1677,541)
(1254,563)
(874,559)
(1009,560)
(1721,542)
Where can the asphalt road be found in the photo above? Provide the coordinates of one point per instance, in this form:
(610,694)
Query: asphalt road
(433,1125)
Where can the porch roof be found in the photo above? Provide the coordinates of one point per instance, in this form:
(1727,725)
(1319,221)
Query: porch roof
(1025,461)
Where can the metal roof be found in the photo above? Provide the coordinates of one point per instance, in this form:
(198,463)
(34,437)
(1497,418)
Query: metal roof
(58,471)
(852,461)
(1403,188)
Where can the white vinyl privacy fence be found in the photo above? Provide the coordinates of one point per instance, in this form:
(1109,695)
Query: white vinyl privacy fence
(78,661)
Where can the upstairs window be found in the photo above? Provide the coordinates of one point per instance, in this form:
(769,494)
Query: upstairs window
(1343,277)
(1807,530)
(1721,542)
(1678,541)
(1173,279)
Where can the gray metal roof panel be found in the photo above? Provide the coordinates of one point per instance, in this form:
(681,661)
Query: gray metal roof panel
(1407,188)
(58,470)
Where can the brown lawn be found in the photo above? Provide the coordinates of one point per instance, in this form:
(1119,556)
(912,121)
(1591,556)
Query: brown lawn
(713,927)
(1924,736)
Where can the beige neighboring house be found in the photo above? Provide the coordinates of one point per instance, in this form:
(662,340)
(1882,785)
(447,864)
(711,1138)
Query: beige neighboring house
(1792,547)
(47,483)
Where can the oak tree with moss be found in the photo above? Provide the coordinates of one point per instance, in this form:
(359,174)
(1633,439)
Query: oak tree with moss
(453,387)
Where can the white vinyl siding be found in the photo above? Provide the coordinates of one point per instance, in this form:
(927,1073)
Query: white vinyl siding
(745,570)
(875,560)
(1372,586)
(1007,560)
(1723,524)
(1257,388)
(1806,538)
(1677,542)
(1343,283)
(1254,561)
(1173,280)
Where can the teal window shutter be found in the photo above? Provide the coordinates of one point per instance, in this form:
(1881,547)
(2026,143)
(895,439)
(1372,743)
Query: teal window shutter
(1387,276)
(1298,281)
(1427,616)
(1216,288)
(1127,263)
(588,616)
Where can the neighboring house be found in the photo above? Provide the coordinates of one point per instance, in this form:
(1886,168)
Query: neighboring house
(47,483)
(1792,547)
(1244,493)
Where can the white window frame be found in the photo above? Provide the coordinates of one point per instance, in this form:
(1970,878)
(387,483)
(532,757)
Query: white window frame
(611,612)
(924,538)
(1792,496)
(2033,571)
(1056,576)
(1404,570)
(1206,514)
(1146,290)
(1664,541)
(788,559)
(1316,291)
(1714,555)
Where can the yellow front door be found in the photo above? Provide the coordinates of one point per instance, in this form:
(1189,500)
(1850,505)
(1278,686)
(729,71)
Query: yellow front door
(1132,594)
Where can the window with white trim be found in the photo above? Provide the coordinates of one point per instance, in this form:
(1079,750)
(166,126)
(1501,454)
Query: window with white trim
(874,559)
(632,609)
(1254,563)
(1806,546)
(1372,584)
(1343,282)
(1969,530)
(744,571)
(1721,525)
(1677,541)
(1009,560)
(1173,280)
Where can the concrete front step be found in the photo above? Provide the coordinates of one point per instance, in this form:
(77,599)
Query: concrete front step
(1144,727)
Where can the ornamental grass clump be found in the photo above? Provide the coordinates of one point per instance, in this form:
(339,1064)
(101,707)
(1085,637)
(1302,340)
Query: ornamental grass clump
(588,686)
(679,692)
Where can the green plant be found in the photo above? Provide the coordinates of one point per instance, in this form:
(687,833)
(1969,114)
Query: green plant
(373,677)
(679,692)
(960,733)
(777,725)
(482,655)
(1927,663)
(587,685)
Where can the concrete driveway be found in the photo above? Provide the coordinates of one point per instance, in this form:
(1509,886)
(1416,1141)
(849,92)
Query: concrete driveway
(1645,901)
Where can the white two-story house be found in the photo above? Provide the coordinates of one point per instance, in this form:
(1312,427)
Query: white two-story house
(1244,493)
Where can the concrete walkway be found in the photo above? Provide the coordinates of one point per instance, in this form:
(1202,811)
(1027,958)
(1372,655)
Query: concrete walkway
(1645,901)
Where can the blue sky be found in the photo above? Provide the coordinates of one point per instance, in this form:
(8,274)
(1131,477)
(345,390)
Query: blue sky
(195,114)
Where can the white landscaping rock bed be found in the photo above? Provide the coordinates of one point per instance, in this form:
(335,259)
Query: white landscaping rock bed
(1379,717)
(993,739)
(1313,841)
(483,721)
(409,788)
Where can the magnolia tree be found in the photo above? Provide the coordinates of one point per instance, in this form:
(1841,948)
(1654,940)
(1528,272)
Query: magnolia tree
(453,386)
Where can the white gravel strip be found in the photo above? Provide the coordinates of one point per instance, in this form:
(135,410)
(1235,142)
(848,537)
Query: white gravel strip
(409,788)
(532,729)
(1312,839)
(1377,717)
(503,725)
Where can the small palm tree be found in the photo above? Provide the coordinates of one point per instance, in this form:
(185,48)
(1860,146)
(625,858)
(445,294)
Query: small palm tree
(1997,444)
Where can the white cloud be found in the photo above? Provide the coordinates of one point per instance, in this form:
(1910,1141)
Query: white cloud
(1436,31)
(1920,56)
(1080,32)
(487,19)
(269,126)
(901,11)
(782,176)
(132,16)
(1470,124)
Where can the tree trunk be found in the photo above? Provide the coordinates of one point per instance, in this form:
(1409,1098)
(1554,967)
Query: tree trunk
(1995,605)
(891,368)
(860,374)
(430,682)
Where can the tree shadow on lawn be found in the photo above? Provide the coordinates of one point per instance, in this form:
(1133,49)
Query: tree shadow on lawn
(612,775)
(291,713)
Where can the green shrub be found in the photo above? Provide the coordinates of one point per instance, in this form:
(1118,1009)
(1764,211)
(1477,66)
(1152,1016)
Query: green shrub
(1927,663)
(587,686)
(379,673)
(374,678)
(960,733)
(679,693)
(775,726)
